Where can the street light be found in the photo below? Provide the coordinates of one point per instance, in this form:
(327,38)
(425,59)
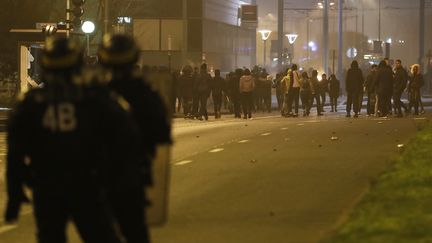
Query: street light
(88,27)
(291,39)
(265,34)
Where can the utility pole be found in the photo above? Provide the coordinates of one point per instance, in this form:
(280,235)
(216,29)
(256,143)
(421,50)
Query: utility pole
(68,18)
(308,37)
(185,33)
(379,20)
(326,36)
(340,45)
(106,16)
(280,32)
(422,34)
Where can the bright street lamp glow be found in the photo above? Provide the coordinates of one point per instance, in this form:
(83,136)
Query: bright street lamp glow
(265,34)
(291,38)
(88,27)
(389,40)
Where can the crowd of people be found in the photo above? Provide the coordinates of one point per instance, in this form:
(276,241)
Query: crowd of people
(383,85)
(247,91)
(242,91)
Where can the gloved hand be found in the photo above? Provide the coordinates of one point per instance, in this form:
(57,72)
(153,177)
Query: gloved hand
(13,208)
(12,211)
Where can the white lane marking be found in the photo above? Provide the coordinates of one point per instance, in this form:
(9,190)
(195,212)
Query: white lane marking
(420,118)
(265,134)
(217,150)
(300,124)
(313,121)
(184,162)
(7,228)
(284,128)
(243,141)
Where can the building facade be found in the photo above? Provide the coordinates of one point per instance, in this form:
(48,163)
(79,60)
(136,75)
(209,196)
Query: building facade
(176,33)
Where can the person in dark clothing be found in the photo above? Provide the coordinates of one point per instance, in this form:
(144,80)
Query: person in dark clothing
(354,86)
(266,85)
(369,87)
(315,95)
(202,86)
(257,94)
(334,87)
(235,92)
(195,98)
(305,93)
(384,88)
(399,86)
(324,88)
(176,96)
(73,143)
(416,81)
(186,83)
(278,87)
(217,86)
(150,113)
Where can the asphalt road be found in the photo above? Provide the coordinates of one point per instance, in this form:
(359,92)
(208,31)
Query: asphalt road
(269,179)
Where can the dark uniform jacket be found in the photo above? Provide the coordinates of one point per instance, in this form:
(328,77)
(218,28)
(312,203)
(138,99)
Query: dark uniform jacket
(77,139)
(150,113)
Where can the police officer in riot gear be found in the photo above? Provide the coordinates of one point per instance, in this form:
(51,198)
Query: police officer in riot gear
(69,140)
(119,54)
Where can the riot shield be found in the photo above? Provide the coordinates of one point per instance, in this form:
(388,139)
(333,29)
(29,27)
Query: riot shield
(157,194)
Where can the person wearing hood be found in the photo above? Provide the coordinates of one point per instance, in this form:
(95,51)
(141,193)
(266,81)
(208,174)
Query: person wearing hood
(369,87)
(305,93)
(354,87)
(203,81)
(416,81)
(315,92)
(384,88)
(334,86)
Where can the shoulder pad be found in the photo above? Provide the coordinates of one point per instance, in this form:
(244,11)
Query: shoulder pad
(121,101)
(34,95)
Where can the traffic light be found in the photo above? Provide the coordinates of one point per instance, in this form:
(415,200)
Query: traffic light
(49,29)
(77,12)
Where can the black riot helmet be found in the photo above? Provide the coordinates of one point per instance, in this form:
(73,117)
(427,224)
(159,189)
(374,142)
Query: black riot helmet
(118,50)
(60,54)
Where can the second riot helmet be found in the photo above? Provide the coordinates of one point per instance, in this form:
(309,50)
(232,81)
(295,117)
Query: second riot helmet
(118,50)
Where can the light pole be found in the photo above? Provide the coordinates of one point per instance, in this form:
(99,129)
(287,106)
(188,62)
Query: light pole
(169,51)
(340,43)
(326,35)
(265,34)
(88,27)
(291,40)
(67,18)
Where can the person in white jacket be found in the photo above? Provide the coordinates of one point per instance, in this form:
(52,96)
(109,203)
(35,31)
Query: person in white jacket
(247,86)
